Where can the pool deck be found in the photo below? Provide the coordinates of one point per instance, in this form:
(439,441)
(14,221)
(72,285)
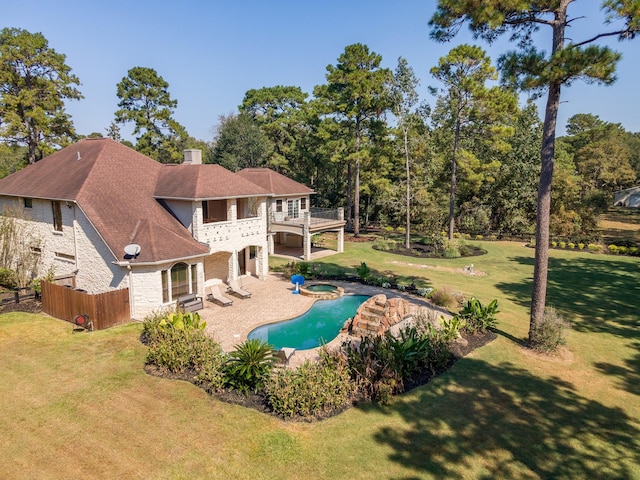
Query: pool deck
(272,301)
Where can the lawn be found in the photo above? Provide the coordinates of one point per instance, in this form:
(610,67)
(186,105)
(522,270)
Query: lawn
(80,405)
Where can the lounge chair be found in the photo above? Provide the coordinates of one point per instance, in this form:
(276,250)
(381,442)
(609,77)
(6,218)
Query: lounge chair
(283,355)
(236,289)
(215,295)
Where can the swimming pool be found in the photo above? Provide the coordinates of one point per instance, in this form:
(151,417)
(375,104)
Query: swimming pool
(320,324)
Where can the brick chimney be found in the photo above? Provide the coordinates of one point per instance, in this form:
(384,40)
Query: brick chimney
(192,156)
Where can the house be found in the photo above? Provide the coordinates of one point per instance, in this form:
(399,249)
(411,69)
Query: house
(292,220)
(627,198)
(112,218)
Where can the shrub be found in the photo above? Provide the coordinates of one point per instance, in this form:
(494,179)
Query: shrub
(622,250)
(381,366)
(479,237)
(385,244)
(363,271)
(549,335)
(249,366)
(424,292)
(478,318)
(372,370)
(444,297)
(554,244)
(562,244)
(291,269)
(451,249)
(451,328)
(580,246)
(312,389)
(409,352)
(8,278)
(613,249)
(571,245)
(179,320)
(594,248)
(183,350)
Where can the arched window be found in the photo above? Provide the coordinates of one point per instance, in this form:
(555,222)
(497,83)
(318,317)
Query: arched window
(180,279)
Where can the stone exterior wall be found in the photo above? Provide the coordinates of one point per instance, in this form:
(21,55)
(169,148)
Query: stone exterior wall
(235,235)
(78,248)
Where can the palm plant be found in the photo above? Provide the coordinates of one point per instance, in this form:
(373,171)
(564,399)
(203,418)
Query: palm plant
(249,365)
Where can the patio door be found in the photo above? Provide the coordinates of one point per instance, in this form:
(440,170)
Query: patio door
(242,262)
(293,208)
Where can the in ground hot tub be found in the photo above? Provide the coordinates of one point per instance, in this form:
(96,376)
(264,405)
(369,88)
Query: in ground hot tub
(324,291)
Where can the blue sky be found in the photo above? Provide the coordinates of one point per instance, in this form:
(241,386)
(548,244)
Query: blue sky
(212,52)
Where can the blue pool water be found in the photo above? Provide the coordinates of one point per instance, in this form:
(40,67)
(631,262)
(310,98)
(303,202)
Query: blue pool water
(320,324)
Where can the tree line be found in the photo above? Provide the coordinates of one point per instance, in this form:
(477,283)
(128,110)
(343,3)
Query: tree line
(473,161)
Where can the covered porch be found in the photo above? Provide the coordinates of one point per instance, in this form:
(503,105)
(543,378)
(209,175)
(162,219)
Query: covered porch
(293,236)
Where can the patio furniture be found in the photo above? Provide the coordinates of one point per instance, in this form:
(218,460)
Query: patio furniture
(283,355)
(189,303)
(215,295)
(236,289)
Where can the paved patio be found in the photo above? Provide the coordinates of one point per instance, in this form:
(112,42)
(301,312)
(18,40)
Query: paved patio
(271,301)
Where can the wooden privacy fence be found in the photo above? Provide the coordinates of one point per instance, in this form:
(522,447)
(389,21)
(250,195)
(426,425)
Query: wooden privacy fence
(104,309)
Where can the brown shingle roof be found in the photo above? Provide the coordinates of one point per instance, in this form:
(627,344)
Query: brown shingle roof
(200,182)
(114,186)
(274,182)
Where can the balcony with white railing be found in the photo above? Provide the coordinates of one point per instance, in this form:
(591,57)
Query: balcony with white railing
(316,219)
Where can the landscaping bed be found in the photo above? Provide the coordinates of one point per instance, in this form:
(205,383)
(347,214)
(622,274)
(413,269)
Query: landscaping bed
(465,344)
(421,250)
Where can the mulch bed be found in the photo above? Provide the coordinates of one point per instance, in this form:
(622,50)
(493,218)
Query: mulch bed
(459,349)
(28,306)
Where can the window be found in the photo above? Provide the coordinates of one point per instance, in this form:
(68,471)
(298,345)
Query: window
(28,202)
(165,287)
(181,279)
(194,278)
(279,206)
(303,204)
(214,211)
(57,215)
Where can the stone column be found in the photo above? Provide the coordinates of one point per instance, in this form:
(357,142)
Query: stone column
(306,237)
(341,231)
(233,267)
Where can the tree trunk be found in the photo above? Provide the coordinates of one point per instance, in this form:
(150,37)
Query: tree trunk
(356,186)
(349,201)
(407,240)
(547,153)
(356,199)
(452,192)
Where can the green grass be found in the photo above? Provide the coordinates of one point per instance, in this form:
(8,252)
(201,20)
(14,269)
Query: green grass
(80,405)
